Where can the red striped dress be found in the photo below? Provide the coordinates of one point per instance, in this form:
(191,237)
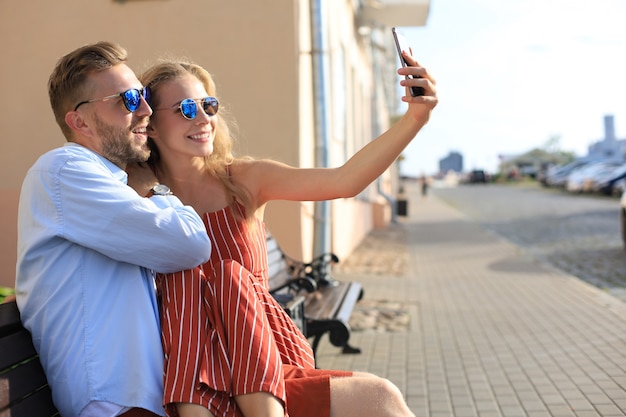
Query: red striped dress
(223,334)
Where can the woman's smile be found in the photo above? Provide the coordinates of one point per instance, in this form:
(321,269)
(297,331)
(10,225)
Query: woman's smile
(200,137)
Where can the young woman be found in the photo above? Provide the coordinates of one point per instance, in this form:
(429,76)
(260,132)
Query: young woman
(230,348)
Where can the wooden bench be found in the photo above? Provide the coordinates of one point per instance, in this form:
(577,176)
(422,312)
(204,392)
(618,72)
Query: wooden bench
(24,390)
(325,303)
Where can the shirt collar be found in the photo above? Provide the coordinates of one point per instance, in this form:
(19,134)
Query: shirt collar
(117,172)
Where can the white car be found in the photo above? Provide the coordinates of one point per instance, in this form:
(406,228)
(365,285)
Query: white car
(609,182)
(580,179)
(622,216)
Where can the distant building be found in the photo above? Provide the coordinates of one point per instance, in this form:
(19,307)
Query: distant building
(609,148)
(452,162)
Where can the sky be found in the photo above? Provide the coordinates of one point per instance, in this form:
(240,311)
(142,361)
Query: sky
(511,74)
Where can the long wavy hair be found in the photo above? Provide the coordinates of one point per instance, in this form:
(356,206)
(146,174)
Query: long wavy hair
(217,164)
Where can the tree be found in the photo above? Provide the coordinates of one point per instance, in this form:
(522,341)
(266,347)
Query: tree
(553,147)
(553,144)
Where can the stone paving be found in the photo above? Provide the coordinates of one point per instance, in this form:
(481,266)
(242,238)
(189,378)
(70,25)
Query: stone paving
(477,327)
(577,233)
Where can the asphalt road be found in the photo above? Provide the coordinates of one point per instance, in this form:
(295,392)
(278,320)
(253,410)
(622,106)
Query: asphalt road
(579,234)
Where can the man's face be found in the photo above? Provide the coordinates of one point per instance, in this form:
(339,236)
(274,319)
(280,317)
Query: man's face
(120,144)
(116,133)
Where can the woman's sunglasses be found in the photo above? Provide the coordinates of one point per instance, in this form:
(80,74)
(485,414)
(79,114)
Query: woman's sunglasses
(189,107)
(131,98)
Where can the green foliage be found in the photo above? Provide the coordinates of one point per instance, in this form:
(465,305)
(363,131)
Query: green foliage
(5,292)
(566,157)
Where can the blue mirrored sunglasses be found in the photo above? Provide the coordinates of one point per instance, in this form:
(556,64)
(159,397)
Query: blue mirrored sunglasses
(131,98)
(189,107)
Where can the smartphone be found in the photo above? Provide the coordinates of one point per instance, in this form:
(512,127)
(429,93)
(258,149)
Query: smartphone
(403,44)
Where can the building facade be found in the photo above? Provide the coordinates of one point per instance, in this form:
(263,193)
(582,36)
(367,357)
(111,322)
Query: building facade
(308,82)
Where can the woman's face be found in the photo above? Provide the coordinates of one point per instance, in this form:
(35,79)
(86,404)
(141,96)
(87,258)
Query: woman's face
(173,134)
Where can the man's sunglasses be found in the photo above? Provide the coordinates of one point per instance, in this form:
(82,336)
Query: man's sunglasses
(131,98)
(189,107)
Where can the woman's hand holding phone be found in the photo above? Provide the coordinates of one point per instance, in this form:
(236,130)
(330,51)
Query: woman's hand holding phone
(403,45)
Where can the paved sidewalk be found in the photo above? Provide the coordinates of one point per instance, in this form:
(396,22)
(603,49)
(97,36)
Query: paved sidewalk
(492,331)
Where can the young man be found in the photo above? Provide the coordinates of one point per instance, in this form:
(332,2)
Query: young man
(87,243)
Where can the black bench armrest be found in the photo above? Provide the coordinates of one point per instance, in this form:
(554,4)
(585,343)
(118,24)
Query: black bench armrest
(319,267)
(294,284)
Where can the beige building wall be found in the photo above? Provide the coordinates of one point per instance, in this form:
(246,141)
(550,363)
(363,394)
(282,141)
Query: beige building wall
(260,55)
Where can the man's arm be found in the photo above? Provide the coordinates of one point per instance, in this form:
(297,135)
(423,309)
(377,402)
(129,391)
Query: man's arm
(104,214)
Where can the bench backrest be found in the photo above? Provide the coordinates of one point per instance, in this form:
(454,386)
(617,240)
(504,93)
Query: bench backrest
(280,276)
(24,390)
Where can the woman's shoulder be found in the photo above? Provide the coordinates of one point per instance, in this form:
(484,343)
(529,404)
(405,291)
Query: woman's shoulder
(250,166)
(256,163)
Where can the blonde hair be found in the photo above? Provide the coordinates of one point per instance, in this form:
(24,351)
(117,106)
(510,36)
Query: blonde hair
(217,164)
(68,83)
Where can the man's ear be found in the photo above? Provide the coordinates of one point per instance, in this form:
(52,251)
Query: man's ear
(77,123)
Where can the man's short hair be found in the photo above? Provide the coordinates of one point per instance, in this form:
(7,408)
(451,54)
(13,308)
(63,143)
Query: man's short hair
(68,83)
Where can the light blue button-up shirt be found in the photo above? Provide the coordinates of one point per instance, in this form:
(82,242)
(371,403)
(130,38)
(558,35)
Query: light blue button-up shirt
(86,245)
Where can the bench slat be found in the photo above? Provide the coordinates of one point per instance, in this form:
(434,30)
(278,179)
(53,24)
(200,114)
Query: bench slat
(9,318)
(37,405)
(275,260)
(325,302)
(24,390)
(21,381)
(15,348)
(351,298)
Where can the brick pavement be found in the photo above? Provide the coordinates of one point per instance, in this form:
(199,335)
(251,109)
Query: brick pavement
(492,332)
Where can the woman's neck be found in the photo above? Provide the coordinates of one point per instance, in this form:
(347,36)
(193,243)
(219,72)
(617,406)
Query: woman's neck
(193,184)
(181,175)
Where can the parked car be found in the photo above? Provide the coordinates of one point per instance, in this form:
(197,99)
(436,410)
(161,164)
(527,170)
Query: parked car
(557,175)
(619,187)
(477,176)
(580,179)
(608,183)
(622,217)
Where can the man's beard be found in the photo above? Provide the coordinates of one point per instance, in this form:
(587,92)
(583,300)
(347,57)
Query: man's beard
(117,144)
